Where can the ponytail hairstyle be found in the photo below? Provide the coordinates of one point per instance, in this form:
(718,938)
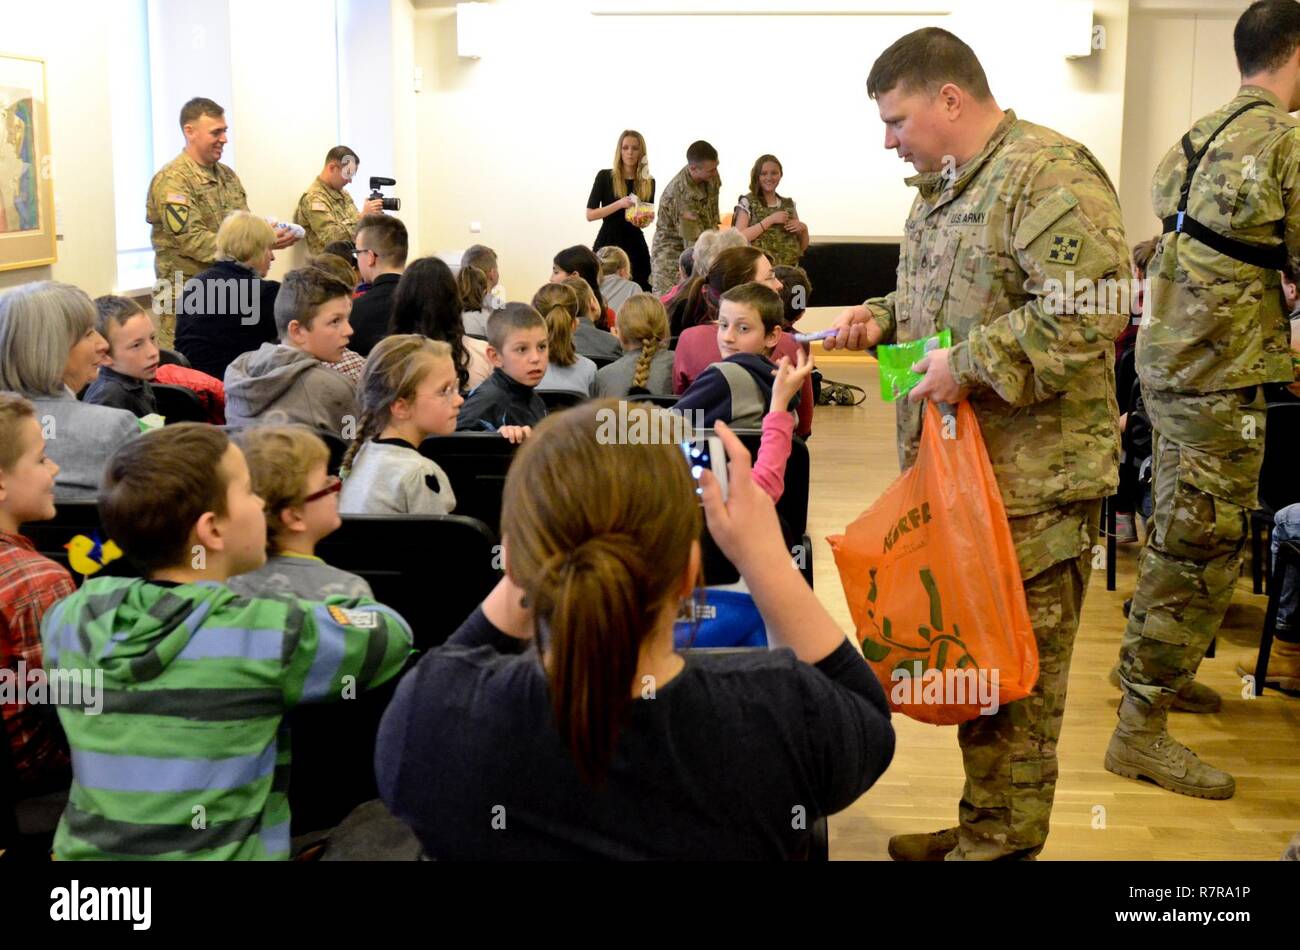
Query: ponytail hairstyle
(394,370)
(599,538)
(731,268)
(472,285)
(585,294)
(426,301)
(643,321)
(582,260)
(558,305)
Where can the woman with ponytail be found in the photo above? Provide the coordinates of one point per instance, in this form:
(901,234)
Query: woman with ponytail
(428,301)
(560,721)
(566,370)
(647,364)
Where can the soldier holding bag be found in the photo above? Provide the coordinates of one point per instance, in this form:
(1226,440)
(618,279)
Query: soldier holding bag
(1011,230)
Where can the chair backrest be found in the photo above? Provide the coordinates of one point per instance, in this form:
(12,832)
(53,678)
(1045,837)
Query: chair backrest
(71,518)
(476,464)
(173,357)
(178,404)
(603,361)
(556,399)
(432,569)
(1278,484)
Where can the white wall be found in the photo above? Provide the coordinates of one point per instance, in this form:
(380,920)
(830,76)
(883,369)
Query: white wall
(69,36)
(514,139)
(1180,66)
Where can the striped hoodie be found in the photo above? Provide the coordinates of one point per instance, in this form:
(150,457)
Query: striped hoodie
(187,756)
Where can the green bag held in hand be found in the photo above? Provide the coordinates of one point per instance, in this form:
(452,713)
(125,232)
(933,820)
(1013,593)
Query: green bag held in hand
(896,360)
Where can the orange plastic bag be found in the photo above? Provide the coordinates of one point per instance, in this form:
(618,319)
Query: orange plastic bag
(933,583)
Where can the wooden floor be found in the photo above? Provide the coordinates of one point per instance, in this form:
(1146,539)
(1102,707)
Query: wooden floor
(1257,740)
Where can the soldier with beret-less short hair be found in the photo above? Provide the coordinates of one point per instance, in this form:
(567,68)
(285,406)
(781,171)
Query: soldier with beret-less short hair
(1009,221)
(1213,334)
(188,199)
(325,211)
(687,208)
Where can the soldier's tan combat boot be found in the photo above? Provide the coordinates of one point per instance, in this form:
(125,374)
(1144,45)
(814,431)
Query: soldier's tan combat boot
(1193,698)
(926,847)
(1143,748)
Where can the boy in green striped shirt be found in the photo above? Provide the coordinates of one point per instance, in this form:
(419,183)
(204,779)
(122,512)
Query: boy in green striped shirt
(184,754)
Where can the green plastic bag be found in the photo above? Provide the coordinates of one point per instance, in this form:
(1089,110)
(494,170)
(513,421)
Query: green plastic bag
(896,360)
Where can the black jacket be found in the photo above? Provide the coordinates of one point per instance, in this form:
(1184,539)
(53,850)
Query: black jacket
(500,401)
(224,311)
(371,313)
(121,392)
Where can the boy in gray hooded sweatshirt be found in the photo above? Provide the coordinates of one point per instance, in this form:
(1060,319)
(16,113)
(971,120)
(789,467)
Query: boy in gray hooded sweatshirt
(287,382)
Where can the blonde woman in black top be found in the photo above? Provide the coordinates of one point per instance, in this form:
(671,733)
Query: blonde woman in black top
(622,187)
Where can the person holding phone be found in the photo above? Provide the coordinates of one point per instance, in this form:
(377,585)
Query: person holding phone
(604,741)
(620,200)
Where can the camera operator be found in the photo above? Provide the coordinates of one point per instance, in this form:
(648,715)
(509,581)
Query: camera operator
(325,210)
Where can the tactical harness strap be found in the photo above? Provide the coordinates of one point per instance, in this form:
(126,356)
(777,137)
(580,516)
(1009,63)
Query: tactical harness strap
(1269,258)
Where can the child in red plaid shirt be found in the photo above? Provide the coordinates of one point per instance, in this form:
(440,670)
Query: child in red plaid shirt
(29,585)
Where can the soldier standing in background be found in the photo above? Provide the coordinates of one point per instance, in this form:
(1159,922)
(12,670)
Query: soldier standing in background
(327,212)
(1214,332)
(687,208)
(1006,209)
(188,199)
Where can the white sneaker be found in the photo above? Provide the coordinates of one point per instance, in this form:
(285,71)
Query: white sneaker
(1125,529)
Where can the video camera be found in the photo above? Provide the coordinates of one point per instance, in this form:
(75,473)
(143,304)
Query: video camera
(389,204)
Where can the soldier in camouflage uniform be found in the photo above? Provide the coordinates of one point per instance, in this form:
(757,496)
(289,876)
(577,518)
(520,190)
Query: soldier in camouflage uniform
(1214,332)
(326,212)
(687,208)
(1010,219)
(188,199)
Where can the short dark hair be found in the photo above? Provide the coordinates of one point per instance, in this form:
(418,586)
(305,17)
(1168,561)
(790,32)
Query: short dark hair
(199,106)
(1144,251)
(765,301)
(302,292)
(511,317)
(156,488)
(480,256)
(701,151)
(925,60)
(792,276)
(344,249)
(1266,35)
(387,236)
(340,152)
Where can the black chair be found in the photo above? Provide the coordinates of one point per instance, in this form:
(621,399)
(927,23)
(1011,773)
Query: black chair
(173,357)
(557,399)
(72,518)
(1278,485)
(432,569)
(603,361)
(663,402)
(178,404)
(1288,557)
(337,448)
(1112,542)
(476,464)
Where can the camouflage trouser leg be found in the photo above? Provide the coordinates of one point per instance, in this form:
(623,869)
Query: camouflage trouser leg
(166,330)
(1207,455)
(1010,757)
(663,268)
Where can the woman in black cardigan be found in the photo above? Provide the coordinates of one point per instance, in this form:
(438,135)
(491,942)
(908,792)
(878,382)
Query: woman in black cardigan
(229,308)
(622,186)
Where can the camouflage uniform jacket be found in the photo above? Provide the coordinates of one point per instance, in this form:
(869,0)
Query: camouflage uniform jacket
(1213,323)
(186,204)
(674,230)
(326,215)
(777,241)
(983,250)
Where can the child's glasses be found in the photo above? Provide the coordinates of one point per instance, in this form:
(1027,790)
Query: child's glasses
(334,484)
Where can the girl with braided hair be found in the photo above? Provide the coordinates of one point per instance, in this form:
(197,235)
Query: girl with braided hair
(409,391)
(647,364)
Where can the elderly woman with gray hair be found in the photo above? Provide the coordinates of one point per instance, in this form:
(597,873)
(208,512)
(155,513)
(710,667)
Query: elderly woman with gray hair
(229,308)
(49,351)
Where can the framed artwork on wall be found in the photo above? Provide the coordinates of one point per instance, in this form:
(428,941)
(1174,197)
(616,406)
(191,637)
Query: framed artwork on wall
(27,232)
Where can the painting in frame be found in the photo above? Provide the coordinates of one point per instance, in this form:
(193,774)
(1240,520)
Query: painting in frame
(27,227)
